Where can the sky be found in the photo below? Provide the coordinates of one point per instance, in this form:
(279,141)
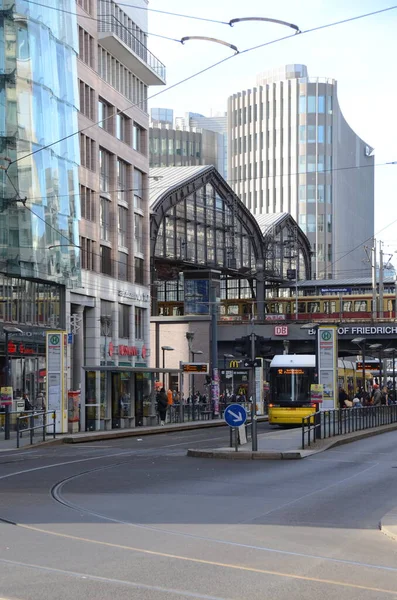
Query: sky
(360,55)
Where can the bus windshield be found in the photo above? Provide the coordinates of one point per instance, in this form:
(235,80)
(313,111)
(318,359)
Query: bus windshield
(291,385)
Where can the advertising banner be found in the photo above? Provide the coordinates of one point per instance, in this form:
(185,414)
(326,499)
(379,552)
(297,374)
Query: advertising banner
(327,364)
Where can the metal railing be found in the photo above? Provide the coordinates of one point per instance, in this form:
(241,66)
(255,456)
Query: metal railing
(330,423)
(25,424)
(110,24)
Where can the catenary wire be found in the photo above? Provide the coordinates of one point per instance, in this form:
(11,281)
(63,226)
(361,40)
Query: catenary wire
(90,18)
(229,181)
(204,70)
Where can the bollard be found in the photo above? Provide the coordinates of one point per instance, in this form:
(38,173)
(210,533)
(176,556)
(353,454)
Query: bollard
(53,424)
(31,425)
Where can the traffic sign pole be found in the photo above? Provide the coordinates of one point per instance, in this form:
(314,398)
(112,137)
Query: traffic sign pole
(254,434)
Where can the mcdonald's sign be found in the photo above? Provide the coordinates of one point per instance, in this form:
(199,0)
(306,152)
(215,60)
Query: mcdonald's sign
(234,364)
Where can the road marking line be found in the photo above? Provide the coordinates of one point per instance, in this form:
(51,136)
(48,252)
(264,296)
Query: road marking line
(134,584)
(212,563)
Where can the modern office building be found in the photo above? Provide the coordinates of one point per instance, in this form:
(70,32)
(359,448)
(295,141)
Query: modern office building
(39,245)
(110,311)
(290,149)
(188,141)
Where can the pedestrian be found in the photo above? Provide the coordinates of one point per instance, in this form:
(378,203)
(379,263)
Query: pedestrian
(385,396)
(377,397)
(342,398)
(162,405)
(28,406)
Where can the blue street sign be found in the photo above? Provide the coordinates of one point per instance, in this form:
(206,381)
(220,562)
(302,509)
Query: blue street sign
(70,338)
(235,415)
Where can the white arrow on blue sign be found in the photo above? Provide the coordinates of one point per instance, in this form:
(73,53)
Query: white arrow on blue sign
(235,415)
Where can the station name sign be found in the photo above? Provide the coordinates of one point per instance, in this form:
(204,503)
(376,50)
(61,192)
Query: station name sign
(368,330)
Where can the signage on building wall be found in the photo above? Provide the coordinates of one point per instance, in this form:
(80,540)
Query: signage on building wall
(353,330)
(281,330)
(234,364)
(136,296)
(111,349)
(56,346)
(16,348)
(274,317)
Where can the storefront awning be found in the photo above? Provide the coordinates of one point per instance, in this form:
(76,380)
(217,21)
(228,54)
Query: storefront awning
(118,369)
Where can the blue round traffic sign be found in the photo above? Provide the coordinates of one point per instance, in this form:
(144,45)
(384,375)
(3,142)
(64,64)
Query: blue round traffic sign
(235,415)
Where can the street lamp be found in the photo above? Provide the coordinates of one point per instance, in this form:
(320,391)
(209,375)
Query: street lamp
(393,353)
(379,348)
(225,357)
(360,341)
(193,353)
(166,349)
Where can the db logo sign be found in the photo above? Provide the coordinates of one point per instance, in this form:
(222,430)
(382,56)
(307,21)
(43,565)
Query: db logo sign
(281,330)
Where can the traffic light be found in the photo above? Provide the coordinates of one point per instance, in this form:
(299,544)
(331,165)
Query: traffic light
(243,346)
(261,346)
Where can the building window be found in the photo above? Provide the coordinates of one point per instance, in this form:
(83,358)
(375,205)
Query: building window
(124,321)
(87,100)
(104,170)
(329,252)
(106,318)
(140,323)
(106,260)
(311,134)
(321,192)
(139,271)
(122,170)
(302,222)
(302,163)
(137,138)
(121,127)
(87,203)
(105,219)
(87,152)
(105,115)
(321,104)
(302,134)
(329,163)
(311,223)
(329,134)
(87,254)
(138,191)
(329,194)
(320,134)
(123,222)
(329,224)
(329,105)
(320,223)
(302,192)
(321,163)
(311,163)
(302,105)
(123,266)
(86,5)
(138,233)
(311,104)
(86,47)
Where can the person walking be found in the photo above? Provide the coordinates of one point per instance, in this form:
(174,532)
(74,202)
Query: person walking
(377,397)
(162,405)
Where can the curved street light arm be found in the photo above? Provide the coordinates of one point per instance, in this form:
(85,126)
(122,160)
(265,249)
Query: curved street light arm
(209,39)
(233,21)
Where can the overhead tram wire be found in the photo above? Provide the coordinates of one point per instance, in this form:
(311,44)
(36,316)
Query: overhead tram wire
(229,181)
(90,18)
(178,83)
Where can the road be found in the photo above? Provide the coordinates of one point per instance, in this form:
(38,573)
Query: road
(130,519)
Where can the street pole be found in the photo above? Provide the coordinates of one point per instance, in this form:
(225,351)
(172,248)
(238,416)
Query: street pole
(214,349)
(254,435)
(394,376)
(7,380)
(363,357)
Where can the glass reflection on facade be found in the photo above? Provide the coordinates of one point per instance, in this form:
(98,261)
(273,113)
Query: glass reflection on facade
(38,88)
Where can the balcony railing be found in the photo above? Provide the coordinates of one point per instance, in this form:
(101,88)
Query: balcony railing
(109,24)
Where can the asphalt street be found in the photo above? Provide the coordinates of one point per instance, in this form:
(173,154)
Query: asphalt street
(136,518)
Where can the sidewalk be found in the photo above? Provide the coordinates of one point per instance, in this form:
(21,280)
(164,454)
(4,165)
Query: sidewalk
(388,524)
(286,444)
(94,436)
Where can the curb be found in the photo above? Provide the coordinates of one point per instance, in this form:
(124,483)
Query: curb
(292,454)
(388,524)
(138,432)
(245,455)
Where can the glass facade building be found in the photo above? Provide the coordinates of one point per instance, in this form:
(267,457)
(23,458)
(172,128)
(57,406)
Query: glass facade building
(39,188)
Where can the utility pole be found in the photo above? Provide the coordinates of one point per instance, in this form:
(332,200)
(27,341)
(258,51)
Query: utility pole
(373,267)
(254,433)
(381,273)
